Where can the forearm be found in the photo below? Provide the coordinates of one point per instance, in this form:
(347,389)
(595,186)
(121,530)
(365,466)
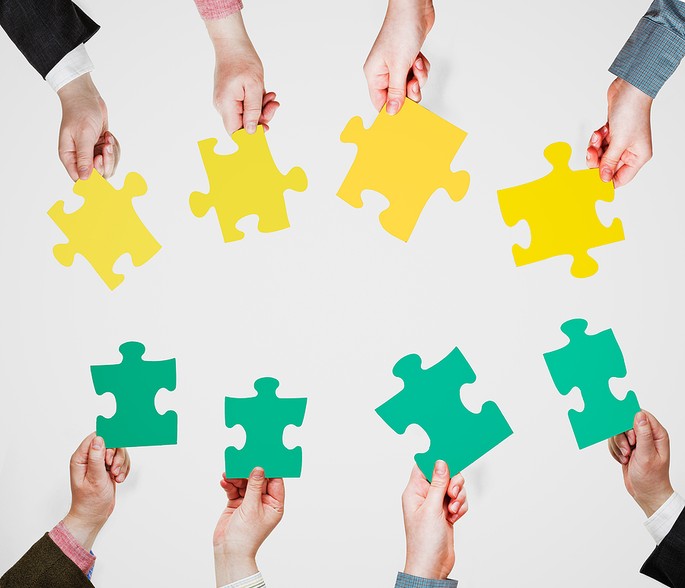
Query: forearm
(231,569)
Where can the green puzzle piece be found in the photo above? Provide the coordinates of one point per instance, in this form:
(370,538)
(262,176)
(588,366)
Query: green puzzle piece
(135,383)
(588,362)
(431,399)
(264,417)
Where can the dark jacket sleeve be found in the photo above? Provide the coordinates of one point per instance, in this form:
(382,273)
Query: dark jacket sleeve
(667,562)
(45,30)
(45,566)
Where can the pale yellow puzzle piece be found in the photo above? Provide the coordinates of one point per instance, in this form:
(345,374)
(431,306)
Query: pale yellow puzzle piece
(244,183)
(560,210)
(105,227)
(406,157)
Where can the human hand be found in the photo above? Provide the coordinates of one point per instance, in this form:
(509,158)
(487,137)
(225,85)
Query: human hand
(84,138)
(239,94)
(430,511)
(644,455)
(255,507)
(624,144)
(395,67)
(95,472)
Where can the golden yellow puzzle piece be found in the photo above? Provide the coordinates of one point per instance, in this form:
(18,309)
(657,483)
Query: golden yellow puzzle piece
(105,227)
(406,157)
(560,210)
(244,183)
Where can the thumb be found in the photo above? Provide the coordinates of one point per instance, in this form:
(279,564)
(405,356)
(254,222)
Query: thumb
(645,448)
(255,488)
(96,460)
(659,434)
(441,479)
(397,87)
(610,160)
(85,146)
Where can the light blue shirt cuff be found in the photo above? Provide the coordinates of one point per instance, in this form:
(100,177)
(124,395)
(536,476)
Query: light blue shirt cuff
(407,581)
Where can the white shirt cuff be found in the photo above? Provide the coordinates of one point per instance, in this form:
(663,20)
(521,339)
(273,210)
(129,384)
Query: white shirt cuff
(255,581)
(71,66)
(661,522)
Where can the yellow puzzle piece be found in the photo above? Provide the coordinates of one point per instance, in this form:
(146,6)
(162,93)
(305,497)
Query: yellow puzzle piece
(406,157)
(105,227)
(560,209)
(244,183)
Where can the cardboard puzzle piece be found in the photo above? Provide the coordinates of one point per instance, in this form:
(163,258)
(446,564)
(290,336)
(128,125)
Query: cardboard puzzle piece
(588,362)
(561,212)
(264,417)
(105,227)
(406,157)
(244,183)
(135,383)
(431,399)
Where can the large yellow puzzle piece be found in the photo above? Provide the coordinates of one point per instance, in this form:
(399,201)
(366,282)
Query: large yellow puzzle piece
(244,183)
(105,227)
(406,157)
(560,209)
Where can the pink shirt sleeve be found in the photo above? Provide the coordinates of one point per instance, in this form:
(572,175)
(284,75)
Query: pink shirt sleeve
(61,536)
(218,9)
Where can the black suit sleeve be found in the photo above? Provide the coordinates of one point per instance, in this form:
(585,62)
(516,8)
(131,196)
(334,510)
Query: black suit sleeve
(667,562)
(45,566)
(45,30)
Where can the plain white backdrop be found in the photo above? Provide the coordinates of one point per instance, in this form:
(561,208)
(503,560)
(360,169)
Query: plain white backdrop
(330,305)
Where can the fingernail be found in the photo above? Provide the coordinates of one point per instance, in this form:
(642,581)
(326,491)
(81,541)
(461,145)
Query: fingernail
(587,156)
(110,148)
(605,174)
(419,64)
(417,87)
(258,474)
(97,443)
(624,451)
(116,471)
(454,507)
(595,137)
(440,467)
(251,127)
(641,419)
(393,107)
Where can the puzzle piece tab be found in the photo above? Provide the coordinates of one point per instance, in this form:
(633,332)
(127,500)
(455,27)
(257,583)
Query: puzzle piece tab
(264,417)
(406,157)
(431,399)
(560,210)
(244,183)
(588,362)
(135,383)
(105,227)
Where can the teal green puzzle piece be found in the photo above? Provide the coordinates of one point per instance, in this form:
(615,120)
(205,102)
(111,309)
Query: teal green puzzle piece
(135,382)
(264,417)
(588,362)
(431,399)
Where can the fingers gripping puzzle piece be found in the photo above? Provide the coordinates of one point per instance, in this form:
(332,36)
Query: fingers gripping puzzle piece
(105,227)
(431,399)
(588,362)
(135,383)
(561,212)
(406,157)
(244,183)
(264,417)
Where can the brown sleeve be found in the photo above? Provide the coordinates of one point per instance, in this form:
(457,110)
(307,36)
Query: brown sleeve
(45,566)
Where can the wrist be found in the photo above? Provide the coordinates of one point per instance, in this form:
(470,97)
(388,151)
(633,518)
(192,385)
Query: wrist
(423,569)
(231,568)
(650,504)
(229,29)
(82,85)
(620,87)
(84,531)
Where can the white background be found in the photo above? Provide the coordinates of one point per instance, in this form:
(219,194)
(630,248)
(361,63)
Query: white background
(330,305)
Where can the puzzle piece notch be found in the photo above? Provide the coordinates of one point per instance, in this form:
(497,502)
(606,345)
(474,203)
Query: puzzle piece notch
(245,183)
(406,157)
(264,417)
(105,227)
(561,211)
(587,363)
(135,382)
(431,399)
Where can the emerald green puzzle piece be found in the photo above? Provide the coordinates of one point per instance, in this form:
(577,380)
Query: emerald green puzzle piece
(588,362)
(264,417)
(431,399)
(135,383)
